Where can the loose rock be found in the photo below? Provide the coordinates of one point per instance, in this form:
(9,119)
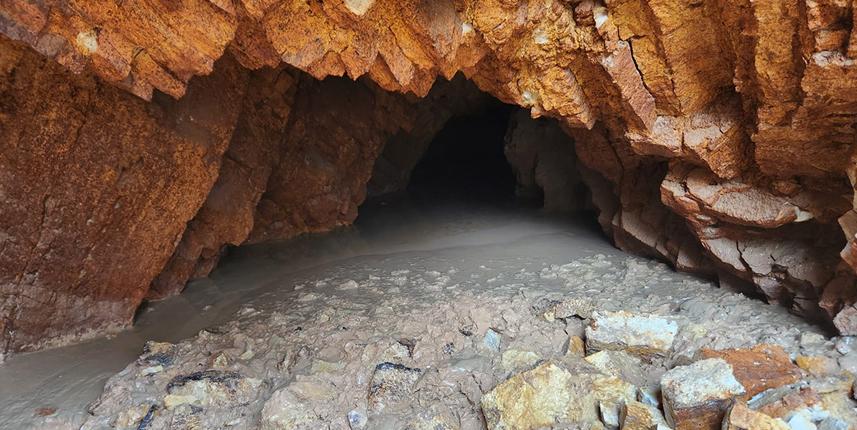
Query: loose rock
(643,335)
(697,396)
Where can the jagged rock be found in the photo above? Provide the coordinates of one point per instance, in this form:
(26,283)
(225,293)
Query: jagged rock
(391,383)
(544,396)
(817,365)
(759,368)
(612,393)
(91,207)
(575,347)
(740,417)
(640,416)
(514,359)
(697,396)
(638,334)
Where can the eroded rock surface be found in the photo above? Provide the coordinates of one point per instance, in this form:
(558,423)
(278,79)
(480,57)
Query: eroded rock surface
(716,135)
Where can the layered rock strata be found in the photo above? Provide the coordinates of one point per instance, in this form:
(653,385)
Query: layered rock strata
(718,135)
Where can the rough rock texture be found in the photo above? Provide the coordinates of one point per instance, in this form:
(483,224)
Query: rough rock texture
(227,217)
(542,156)
(717,135)
(91,207)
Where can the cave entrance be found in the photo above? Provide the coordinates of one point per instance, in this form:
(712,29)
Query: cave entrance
(466,161)
(477,150)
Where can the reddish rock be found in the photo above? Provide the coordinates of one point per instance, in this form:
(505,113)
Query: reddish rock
(96,187)
(227,217)
(698,395)
(759,368)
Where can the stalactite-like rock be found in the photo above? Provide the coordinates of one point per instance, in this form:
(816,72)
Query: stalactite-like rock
(718,135)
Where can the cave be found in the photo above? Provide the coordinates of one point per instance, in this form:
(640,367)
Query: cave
(469,214)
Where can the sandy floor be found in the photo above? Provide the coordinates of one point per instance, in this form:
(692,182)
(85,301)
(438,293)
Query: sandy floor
(452,290)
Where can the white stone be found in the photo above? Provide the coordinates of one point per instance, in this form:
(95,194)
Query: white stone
(359,7)
(642,334)
(700,382)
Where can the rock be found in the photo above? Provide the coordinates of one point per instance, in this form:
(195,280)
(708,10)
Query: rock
(514,359)
(640,416)
(740,417)
(612,393)
(644,335)
(544,396)
(575,347)
(801,421)
(697,396)
(391,383)
(714,142)
(759,368)
(844,344)
(285,411)
(356,420)
(780,402)
(491,340)
(210,388)
(817,365)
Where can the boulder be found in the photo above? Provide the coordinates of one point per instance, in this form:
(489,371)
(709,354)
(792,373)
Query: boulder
(758,368)
(644,335)
(697,396)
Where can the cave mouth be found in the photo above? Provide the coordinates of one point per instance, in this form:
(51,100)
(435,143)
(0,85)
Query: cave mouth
(514,292)
(466,162)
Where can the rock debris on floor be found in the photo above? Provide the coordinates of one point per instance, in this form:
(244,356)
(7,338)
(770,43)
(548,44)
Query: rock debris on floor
(597,343)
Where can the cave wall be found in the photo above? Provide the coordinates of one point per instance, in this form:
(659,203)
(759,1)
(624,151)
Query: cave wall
(96,186)
(717,135)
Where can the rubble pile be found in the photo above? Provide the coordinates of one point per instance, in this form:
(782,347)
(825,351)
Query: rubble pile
(516,356)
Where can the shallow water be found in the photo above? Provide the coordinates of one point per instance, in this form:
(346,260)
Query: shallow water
(483,242)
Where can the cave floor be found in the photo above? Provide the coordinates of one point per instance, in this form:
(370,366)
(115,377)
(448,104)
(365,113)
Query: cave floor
(460,290)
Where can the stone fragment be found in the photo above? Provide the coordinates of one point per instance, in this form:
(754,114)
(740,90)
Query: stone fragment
(545,396)
(644,335)
(391,383)
(759,368)
(817,365)
(285,411)
(697,396)
(356,419)
(568,308)
(781,401)
(740,417)
(640,416)
(801,422)
(514,359)
(575,347)
(611,393)
(492,340)
(210,388)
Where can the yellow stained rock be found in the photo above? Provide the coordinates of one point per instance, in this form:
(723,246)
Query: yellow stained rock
(740,417)
(640,416)
(541,397)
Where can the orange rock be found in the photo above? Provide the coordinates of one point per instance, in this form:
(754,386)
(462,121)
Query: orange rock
(758,368)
